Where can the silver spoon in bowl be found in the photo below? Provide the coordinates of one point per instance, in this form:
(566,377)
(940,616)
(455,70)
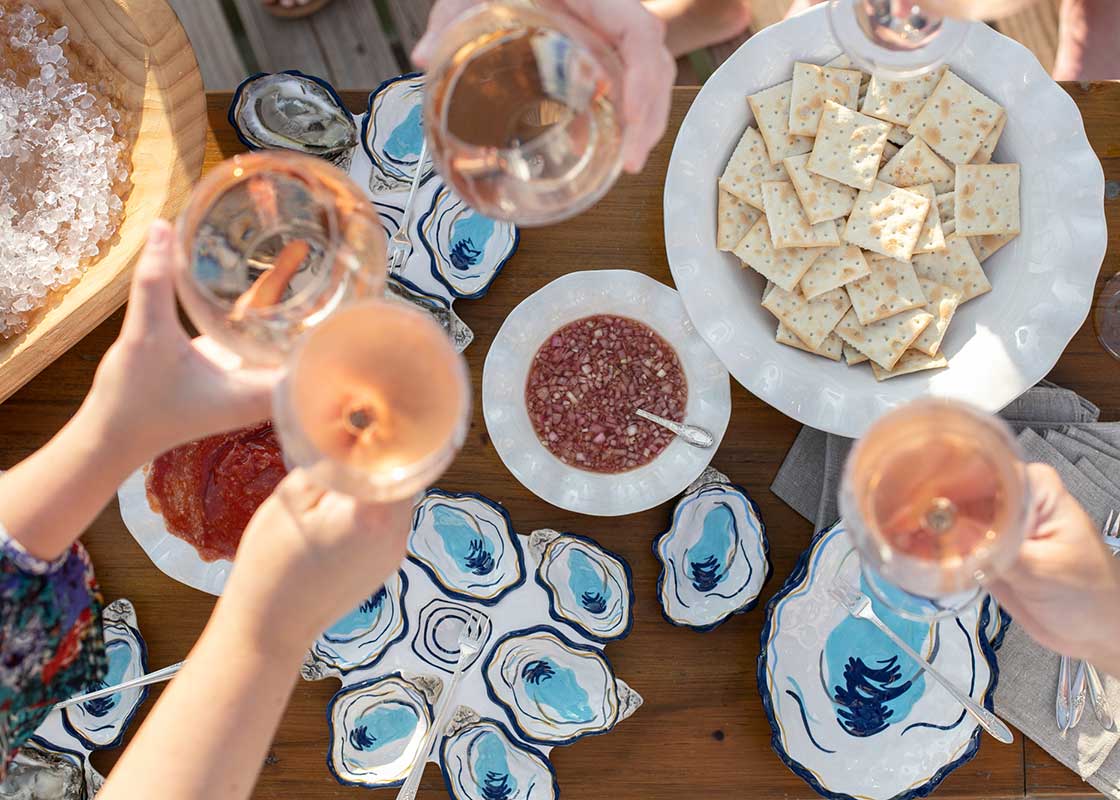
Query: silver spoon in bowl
(693,434)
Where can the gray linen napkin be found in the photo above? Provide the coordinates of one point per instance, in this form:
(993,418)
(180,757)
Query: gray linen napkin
(1056,426)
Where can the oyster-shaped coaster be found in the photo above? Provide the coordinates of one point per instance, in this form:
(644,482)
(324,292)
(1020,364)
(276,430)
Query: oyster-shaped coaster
(467,249)
(393,133)
(466,543)
(293,111)
(359,639)
(481,760)
(850,712)
(715,557)
(436,641)
(101,722)
(376,728)
(553,690)
(588,587)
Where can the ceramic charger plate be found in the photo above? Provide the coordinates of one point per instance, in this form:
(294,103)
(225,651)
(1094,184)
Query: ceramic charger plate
(999,344)
(566,299)
(850,713)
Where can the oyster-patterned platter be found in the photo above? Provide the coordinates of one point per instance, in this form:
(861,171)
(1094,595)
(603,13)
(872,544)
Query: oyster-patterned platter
(849,712)
(457,253)
(550,602)
(58,755)
(715,557)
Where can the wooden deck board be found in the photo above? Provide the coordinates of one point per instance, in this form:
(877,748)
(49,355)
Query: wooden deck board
(353,44)
(282,44)
(410,18)
(219,58)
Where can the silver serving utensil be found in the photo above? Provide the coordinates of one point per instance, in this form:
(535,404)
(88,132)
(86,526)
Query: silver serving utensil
(470,642)
(858,605)
(399,245)
(159,676)
(1077,694)
(1097,698)
(693,434)
(1063,703)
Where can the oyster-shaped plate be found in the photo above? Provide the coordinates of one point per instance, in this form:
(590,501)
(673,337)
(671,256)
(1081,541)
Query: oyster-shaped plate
(481,760)
(998,622)
(293,111)
(850,713)
(715,557)
(393,133)
(376,728)
(359,639)
(436,640)
(467,249)
(101,722)
(466,543)
(553,690)
(588,587)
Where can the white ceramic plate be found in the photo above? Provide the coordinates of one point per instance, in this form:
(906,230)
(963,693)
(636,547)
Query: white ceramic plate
(582,294)
(999,344)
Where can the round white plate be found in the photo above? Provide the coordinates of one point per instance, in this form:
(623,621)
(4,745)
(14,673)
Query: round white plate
(582,294)
(999,344)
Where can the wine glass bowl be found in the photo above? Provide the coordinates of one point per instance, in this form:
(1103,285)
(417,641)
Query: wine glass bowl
(895,39)
(522,112)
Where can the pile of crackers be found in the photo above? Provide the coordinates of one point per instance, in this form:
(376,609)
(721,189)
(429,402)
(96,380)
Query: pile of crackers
(869,206)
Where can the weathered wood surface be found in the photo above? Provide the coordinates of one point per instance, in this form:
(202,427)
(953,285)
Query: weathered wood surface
(220,59)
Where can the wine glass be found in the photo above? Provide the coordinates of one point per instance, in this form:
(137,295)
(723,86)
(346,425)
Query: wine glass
(523,112)
(274,243)
(1107,316)
(375,402)
(937,501)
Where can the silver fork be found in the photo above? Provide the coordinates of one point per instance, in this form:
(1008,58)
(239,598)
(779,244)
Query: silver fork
(471,639)
(159,676)
(859,605)
(1097,699)
(400,246)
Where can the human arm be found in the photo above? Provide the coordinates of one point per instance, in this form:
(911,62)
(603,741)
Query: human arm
(306,559)
(155,388)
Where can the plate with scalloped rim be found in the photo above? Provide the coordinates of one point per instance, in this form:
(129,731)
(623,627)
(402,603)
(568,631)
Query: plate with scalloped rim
(999,344)
(465,557)
(850,713)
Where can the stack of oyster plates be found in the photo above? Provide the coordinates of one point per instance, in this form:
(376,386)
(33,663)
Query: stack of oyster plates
(850,713)
(457,253)
(550,602)
(56,761)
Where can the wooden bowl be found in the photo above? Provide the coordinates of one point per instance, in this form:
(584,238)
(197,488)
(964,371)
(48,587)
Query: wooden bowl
(138,54)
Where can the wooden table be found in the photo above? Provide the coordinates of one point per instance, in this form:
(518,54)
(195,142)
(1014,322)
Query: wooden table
(701,732)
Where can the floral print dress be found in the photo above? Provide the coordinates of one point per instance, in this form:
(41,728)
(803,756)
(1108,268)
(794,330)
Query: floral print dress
(51,645)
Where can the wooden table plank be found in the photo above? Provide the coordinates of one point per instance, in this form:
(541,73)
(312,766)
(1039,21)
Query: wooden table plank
(219,58)
(410,18)
(354,45)
(701,732)
(1036,28)
(280,44)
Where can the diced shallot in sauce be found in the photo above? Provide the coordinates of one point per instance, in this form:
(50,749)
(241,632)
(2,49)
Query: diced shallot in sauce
(587,380)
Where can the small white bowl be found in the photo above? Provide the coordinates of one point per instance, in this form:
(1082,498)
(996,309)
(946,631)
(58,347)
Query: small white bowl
(581,294)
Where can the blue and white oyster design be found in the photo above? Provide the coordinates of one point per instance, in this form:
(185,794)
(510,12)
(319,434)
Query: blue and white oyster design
(436,640)
(715,557)
(393,133)
(466,543)
(101,722)
(852,714)
(377,726)
(553,690)
(587,586)
(293,111)
(467,249)
(481,760)
(998,622)
(360,639)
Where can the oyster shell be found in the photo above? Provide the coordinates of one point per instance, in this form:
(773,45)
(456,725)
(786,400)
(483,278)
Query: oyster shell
(437,634)
(588,587)
(360,638)
(482,761)
(467,250)
(466,543)
(42,771)
(293,111)
(461,336)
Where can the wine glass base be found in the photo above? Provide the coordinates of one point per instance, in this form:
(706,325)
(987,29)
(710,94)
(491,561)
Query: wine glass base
(1106,316)
(916,607)
(892,63)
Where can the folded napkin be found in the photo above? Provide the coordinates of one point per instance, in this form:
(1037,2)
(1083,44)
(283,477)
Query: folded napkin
(1056,426)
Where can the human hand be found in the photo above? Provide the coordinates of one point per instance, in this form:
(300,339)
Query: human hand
(309,556)
(156,387)
(1065,587)
(637,36)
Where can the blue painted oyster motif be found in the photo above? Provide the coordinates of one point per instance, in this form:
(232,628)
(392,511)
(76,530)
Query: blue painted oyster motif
(376,728)
(360,639)
(481,760)
(715,556)
(436,641)
(587,586)
(998,622)
(101,722)
(393,133)
(467,250)
(466,543)
(553,690)
(293,111)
